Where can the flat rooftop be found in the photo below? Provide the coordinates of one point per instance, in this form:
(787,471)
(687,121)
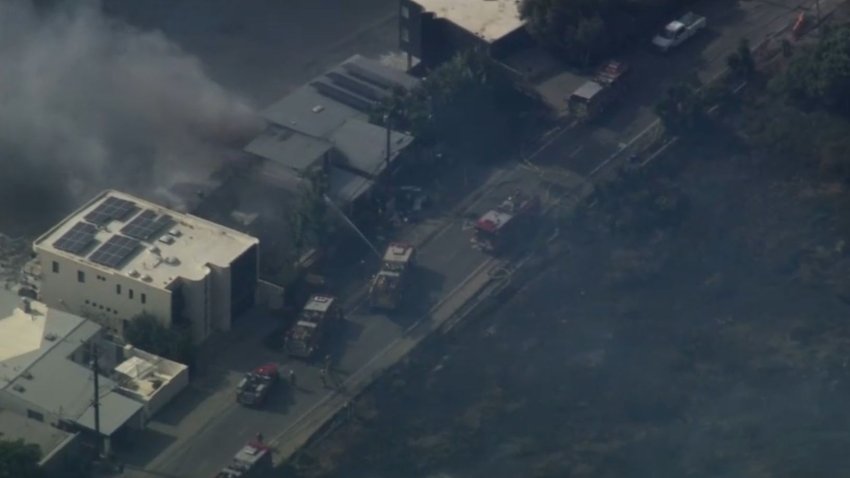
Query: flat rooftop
(36,365)
(117,233)
(18,427)
(489,20)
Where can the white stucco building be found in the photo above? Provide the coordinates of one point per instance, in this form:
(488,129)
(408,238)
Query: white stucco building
(119,256)
(45,374)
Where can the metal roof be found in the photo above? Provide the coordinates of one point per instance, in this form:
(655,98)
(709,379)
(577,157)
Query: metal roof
(364,145)
(288,148)
(332,113)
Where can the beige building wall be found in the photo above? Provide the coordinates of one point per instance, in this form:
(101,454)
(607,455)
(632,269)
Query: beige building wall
(108,299)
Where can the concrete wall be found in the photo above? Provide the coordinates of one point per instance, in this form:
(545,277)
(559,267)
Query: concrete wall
(104,297)
(178,379)
(220,298)
(64,457)
(196,306)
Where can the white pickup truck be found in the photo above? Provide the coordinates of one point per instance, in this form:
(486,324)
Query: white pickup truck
(678,31)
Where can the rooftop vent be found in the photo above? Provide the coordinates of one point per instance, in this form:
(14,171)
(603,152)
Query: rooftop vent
(27,375)
(172,261)
(153,250)
(134,273)
(175,232)
(167,239)
(19,388)
(147,278)
(50,336)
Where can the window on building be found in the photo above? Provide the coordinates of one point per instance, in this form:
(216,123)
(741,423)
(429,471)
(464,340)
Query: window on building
(405,35)
(144,298)
(55,267)
(130,293)
(405,11)
(81,276)
(35,415)
(118,289)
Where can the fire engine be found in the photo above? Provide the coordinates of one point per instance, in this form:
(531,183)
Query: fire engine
(306,336)
(254,460)
(497,228)
(388,284)
(255,386)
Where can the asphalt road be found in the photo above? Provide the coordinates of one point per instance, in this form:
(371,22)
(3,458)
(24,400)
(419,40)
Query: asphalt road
(190,439)
(204,427)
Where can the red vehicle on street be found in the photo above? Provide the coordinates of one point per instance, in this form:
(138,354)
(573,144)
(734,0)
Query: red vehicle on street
(255,386)
(500,227)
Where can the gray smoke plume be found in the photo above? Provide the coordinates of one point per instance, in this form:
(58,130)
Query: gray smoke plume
(88,103)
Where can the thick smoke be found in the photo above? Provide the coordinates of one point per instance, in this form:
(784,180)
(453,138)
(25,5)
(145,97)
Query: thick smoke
(88,103)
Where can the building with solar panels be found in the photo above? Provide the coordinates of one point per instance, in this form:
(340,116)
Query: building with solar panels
(119,256)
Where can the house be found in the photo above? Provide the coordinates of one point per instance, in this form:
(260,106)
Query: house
(59,448)
(46,377)
(435,30)
(324,126)
(119,256)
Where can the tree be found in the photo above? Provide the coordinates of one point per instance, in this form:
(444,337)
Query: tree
(149,334)
(19,460)
(682,108)
(466,104)
(820,76)
(741,63)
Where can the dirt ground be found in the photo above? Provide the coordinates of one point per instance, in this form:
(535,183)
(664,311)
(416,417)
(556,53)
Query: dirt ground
(713,347)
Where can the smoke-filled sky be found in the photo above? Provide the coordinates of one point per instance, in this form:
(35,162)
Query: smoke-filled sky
(88,103)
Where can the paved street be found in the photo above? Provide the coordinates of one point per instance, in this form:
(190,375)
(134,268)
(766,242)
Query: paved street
(204,427)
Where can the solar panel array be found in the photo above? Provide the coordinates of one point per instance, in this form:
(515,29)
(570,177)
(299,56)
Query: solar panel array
(77,239)
(115,251)
(147,224)
(111,209)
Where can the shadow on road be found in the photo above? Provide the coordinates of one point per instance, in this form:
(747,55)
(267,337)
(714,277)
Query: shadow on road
(142,447)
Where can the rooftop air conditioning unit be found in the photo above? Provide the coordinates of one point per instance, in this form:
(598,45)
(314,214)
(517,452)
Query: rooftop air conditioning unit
(147,278)
(134,273)
(153,250)
(50,336)
(175,232)
(167,239)
(19,388)
(172,261)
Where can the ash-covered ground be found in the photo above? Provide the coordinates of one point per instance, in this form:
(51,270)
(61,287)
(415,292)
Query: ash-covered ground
(696,328)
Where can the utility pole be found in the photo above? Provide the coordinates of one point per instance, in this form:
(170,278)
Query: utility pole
(96,398)
(387,120)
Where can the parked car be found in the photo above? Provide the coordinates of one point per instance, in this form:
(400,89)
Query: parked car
(679,31)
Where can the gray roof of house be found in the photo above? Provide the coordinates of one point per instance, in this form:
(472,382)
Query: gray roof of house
(281,145)
(332,112)
(47,378)
(345,187)
(19,427)
(364,145)
(307,112)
